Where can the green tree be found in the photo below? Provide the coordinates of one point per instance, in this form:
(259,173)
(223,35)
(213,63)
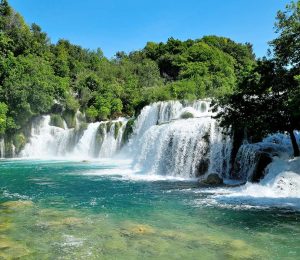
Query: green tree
(267,99)
(3,112)
(287,45)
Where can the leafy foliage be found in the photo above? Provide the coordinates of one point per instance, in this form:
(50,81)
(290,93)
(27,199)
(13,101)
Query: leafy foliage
(37,77)
(267,98)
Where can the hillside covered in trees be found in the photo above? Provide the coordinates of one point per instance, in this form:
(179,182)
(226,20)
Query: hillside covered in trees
(39,77)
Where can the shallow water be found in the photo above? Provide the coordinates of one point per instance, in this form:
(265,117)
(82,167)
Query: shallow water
(99,210)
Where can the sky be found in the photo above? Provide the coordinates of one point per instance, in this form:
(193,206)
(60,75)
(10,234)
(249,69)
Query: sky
(127,25)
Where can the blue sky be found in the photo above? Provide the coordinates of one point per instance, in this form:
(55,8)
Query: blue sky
(115,25)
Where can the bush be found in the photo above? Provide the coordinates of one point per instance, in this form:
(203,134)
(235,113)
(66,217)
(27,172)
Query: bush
(91,114)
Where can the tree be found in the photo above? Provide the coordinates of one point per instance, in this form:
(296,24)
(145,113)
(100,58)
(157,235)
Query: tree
(287,55)
(287,45)
(3,112)
(37,77)
(267,99)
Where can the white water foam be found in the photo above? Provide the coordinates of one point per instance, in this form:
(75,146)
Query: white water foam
(165,144)
(280,188)
(2,148)
(98,140)
(278,144)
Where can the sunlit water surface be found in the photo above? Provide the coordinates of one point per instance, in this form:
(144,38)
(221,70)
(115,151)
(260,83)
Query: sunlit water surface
(93,210)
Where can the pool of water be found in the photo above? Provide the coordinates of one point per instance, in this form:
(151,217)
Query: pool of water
(99,210)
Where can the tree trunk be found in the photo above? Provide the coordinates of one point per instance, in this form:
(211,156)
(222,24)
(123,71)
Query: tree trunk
(294,143)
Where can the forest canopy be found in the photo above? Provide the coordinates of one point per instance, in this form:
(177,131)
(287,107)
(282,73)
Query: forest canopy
(39,77)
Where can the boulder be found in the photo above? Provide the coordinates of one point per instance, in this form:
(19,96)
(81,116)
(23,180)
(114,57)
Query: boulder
(213,179)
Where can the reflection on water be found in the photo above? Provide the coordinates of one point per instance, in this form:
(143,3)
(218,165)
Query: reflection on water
(54,210)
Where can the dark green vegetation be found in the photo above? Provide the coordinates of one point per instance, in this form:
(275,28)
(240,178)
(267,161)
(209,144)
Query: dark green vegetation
(38,77)
(267,99)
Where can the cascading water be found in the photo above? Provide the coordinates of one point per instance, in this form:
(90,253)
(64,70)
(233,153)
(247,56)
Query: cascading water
(46,140)
(84,141)
(248,156)
(169,138)
(85,146)
(179,139)
(111,139)
(279,188)
(2,148)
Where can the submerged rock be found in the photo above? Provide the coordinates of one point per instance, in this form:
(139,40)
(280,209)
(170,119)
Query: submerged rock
(213,179)
(137,229)
(5,226)
(17,204)
(12,250)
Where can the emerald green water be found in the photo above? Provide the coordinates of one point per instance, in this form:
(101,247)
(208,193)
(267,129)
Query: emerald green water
(58,210)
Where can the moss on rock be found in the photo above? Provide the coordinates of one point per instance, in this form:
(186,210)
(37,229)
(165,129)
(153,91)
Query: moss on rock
(19,141)
(186,115)
(108,126)
(9,148)
(70,118)
(118,125)
(57,120)
(128,131)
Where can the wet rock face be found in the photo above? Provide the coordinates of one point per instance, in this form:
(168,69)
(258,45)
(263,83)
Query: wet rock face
(263,160)
(202,167)
(253,159)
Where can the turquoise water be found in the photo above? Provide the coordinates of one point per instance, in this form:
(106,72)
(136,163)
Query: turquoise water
(91,210)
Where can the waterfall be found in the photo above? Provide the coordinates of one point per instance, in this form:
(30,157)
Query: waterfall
(179,139)
(164,112)
(249,156)
(46,140)
(86,144)
(111,140)
(94,140)
(2,148)
(169,138)
(279,188)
